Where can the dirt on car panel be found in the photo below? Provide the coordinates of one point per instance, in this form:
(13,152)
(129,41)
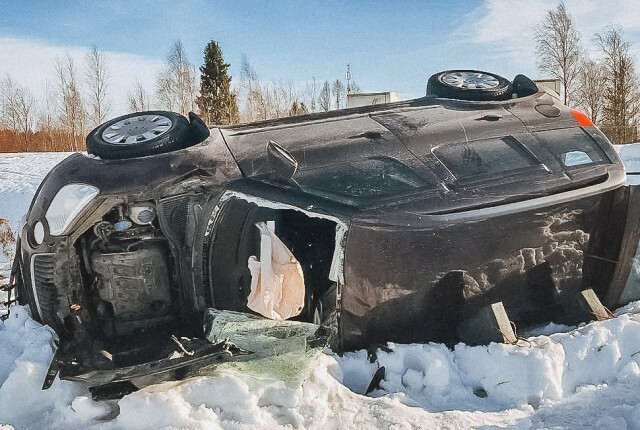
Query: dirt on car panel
(536,262)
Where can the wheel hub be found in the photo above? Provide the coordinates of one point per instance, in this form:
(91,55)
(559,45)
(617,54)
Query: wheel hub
(470,80)
(137,129)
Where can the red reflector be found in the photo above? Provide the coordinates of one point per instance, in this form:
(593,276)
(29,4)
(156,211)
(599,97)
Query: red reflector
(582,119)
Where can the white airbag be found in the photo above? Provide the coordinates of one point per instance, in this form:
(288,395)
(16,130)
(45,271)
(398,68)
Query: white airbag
(277,282)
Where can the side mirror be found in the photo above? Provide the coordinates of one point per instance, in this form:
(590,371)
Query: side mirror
(199,130)
(282,162)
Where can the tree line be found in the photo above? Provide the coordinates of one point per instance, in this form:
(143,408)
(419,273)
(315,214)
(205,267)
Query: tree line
(77,98)
(606,88)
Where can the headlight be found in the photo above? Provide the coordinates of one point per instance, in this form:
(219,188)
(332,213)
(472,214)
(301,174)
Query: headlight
(67,204)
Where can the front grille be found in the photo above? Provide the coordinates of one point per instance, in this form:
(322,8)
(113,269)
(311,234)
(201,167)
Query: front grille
(44,288)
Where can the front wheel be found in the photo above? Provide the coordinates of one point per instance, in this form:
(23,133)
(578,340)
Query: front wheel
(469,85)
(145,133)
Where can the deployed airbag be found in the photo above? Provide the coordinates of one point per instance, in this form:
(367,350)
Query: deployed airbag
(277,282)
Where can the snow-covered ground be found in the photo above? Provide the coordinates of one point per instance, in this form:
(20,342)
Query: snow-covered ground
(587,377)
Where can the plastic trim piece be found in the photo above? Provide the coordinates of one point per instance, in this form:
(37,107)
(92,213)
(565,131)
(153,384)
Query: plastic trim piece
(33,281)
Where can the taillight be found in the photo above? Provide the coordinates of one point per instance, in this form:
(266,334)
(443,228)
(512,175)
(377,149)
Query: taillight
(583,120)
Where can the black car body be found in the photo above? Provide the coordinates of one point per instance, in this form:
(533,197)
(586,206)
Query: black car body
(405,217)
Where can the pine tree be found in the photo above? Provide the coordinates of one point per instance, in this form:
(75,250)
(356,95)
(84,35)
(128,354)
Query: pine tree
(216,101)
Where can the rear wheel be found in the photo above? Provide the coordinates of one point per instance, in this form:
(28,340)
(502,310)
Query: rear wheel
(145,133)
(469,85)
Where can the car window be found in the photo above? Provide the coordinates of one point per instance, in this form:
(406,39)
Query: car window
(575,158)
(364,179)
(572,147)
(484,157)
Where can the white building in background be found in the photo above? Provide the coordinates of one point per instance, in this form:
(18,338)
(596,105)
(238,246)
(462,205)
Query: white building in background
(368,99)
(552,84)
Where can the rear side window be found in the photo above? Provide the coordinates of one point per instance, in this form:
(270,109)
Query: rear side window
(484,157)
(364,179)
(572,147)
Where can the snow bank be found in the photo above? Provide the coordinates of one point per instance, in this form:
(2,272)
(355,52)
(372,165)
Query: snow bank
(588,377)
(630,155)
(25,353)
(536,373)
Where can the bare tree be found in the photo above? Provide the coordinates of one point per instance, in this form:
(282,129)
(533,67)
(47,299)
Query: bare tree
(311,94)
(253,100)
(138,99)
(355,88)
(47,122)
(325,97)
(281,97)
(559,50)
(18,110)
(176,85)
(97,79)
(298,108)
(590,95)
(622,90)
(260,100)
(72,112)
(166,92)
(338,90)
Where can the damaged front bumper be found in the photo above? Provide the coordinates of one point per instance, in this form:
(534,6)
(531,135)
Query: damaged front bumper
(229,336)
(189,353)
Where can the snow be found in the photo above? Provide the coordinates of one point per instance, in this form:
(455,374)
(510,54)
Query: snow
(20,175)
(630,155)
(582,377)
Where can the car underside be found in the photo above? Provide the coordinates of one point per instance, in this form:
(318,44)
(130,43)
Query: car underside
(448,218)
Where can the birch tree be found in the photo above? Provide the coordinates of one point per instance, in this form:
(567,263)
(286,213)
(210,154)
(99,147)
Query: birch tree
(18,110)
(338,90)
(622,91)
(138,99)
(325,97)
(176,85)
(70,106)
(559,50)
(591,89)
(97,80)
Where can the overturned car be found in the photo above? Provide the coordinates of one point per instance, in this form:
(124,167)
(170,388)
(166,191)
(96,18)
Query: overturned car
(405,220)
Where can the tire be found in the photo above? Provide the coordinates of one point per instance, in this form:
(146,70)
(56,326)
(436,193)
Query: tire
(471,85)
(145,133)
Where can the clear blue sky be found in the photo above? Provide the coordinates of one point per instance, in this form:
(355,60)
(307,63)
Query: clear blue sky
(391,45)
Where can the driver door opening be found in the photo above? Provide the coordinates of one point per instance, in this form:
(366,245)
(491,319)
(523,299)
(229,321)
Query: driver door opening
(312,240)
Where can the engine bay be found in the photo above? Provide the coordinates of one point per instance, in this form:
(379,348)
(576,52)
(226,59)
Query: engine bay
(127,258)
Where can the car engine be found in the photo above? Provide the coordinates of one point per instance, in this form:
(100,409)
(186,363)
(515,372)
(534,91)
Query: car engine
(127,256)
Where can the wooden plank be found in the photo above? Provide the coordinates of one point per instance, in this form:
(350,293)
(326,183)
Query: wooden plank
(489,324)
(591,301)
